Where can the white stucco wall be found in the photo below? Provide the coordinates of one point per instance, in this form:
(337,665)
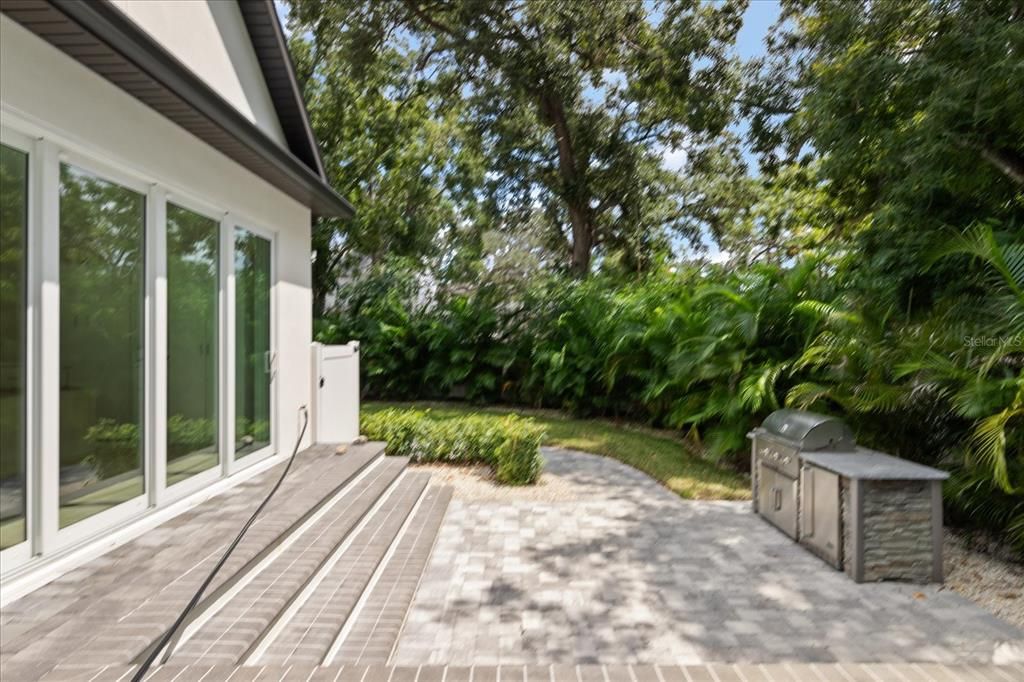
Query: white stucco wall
(69,103)
(210,37)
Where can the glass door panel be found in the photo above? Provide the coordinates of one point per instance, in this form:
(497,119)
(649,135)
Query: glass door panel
(253,359)
(102,232)
(192,292)
(13,239)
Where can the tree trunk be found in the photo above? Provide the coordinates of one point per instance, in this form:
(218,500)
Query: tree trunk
(319,302)
(323,274)
(1009,164)
(573,191)
(582,240)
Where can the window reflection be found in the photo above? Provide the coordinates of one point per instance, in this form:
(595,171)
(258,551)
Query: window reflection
(252,343)
(102,227)
(13,234)
(192,290)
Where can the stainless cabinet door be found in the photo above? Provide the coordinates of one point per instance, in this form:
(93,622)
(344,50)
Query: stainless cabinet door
(777,499)
(820,513)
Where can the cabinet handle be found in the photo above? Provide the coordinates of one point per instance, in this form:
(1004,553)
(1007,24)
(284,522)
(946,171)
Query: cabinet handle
(778,499)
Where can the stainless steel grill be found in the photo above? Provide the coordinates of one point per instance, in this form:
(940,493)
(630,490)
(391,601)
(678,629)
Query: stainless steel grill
(874,516)
(775,460)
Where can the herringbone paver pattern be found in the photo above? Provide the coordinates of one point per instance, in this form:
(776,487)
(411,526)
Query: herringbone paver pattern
(110,609)
(229,633)
(310,632)
(627,572)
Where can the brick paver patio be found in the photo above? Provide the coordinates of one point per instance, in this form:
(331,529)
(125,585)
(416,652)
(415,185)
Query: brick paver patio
(629,573)
(615,579)
(771,672)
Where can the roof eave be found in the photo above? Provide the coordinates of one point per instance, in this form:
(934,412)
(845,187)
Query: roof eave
(104,39)
(275,59)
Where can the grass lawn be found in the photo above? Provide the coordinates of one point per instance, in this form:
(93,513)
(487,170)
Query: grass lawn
(658,454)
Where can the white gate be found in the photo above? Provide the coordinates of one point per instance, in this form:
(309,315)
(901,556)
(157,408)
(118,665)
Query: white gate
(335,393)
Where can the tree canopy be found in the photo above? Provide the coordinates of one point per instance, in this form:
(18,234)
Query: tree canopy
(561,109)
(860,186)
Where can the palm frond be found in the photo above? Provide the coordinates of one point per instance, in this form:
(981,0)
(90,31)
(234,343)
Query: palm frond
(988,447)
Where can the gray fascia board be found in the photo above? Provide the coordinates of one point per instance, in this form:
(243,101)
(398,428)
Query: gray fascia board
(111,25)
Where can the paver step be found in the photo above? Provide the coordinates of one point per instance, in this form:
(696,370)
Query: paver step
(775,672)
(224,631)
(165,580)
(305,635)
(377,624)
(291,507)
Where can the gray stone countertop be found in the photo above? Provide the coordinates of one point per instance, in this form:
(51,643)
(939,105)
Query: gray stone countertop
(867,464)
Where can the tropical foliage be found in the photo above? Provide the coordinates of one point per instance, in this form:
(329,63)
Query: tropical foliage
(712,352)
(870,264)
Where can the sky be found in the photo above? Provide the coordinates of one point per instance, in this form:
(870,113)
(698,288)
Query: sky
(759,17)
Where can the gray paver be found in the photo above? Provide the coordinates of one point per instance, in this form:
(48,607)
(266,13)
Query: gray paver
(626,572)
(351,673)
(378,623)
(485,673)
(312,629)
(789,672)
(672,673)
(236,627)
(108,610)
(431,673)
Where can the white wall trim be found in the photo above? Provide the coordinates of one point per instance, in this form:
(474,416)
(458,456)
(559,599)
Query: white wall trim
(133,176)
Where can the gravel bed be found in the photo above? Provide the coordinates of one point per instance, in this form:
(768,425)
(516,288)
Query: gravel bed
(477,484)
(994,583)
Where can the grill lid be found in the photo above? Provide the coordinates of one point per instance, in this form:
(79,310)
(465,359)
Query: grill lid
(808,430)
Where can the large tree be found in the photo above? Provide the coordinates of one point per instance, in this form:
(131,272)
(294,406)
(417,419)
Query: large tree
(387,147)
(567,106)
(916,112)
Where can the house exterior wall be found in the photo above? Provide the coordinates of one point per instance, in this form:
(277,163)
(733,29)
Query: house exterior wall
(210,38)
(50,98)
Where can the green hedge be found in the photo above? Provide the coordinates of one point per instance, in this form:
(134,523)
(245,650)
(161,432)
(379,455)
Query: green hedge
(510,445)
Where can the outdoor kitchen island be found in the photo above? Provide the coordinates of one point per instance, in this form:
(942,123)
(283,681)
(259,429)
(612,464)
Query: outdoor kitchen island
(872,515)
(890,513)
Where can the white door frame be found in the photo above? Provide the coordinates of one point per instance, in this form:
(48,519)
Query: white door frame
(236,222)
(54,537)
(165,493)
(16,555)
(47,544)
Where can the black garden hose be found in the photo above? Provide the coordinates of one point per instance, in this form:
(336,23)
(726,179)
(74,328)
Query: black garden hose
(144,668)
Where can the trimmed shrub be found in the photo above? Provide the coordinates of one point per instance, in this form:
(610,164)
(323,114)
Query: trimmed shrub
(510,445)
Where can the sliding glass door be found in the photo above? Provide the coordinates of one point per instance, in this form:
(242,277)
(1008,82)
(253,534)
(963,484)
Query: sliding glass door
(193,288)
(102,258)
(13,343)
(253,357)
(136,346)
